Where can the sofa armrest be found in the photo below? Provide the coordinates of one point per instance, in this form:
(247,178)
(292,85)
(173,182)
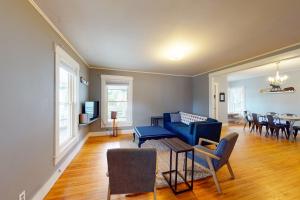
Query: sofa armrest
(207,130)
(166,118)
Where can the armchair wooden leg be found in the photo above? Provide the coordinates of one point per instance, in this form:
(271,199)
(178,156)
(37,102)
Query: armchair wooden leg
(213,172)
(230,170)
(108,193)
(216,182)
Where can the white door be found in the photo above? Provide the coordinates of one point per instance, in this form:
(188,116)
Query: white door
(215,100)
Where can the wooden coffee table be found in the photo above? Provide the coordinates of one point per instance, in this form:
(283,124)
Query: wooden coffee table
(178,146)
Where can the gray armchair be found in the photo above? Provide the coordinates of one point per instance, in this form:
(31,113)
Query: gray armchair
(131,171)
(212,160)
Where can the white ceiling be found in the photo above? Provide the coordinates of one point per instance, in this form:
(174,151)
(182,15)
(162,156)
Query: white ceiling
(266,70)
(135,34)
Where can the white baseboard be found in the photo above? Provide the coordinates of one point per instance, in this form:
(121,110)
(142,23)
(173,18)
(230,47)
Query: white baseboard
(106,133)
(43,191)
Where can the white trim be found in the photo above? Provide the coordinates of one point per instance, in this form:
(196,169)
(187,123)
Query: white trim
(257,63)
(253,59)
(47,19)
(140,72)
(73,66)
(272,59)
(43,191)
(107,133)
(118,79)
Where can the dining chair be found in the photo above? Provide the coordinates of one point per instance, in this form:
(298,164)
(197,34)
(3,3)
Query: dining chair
(276,126)
(131,171)
(258,125)
(247,119)
(212,160)
(296,129)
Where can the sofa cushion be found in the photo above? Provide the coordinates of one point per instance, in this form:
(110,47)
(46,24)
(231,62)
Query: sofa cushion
(175,117)
(187,118)
(178,126)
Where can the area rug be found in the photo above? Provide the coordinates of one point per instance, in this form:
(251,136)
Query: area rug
(163,158)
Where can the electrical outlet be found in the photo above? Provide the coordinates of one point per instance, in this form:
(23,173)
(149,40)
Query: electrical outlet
(22,196)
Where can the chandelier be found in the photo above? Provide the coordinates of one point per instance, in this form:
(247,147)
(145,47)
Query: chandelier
(277,80)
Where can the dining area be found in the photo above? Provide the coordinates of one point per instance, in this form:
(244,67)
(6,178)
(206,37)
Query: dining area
(272,124)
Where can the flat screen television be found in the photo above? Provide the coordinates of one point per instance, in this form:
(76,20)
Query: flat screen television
(91,108)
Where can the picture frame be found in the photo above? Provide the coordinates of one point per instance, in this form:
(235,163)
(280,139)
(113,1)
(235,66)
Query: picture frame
(222,97)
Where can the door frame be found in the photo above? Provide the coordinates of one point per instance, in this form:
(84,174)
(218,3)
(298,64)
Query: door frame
(255,62)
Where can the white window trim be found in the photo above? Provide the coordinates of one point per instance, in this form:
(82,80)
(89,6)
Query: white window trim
(118,79)
(62,150)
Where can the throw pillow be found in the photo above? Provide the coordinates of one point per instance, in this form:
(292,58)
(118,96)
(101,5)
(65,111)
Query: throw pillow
(175,117)
(187,118)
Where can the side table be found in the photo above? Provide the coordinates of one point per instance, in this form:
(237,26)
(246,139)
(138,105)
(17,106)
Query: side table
(178,146)
(155,120)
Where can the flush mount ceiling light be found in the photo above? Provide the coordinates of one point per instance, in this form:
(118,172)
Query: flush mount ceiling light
(178,51)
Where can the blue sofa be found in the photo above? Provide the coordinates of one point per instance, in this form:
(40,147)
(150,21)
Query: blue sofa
(209,129)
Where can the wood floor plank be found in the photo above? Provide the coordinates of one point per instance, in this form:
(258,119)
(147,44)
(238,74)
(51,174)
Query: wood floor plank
(265,168)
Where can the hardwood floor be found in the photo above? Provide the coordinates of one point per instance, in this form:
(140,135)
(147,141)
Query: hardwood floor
(264,168)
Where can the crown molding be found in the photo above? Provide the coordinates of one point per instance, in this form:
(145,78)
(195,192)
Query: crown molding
(141,72)
(255,58)
(47,19)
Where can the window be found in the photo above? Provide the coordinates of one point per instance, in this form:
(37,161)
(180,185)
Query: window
(236,100)
(66,104)
(116,94)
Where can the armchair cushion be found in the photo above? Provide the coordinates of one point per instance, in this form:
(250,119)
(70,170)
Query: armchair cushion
(131,170)
(223,151)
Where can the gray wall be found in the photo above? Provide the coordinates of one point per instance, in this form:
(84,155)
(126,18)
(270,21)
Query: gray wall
(201,95)
(152,94)
(27,99)
(262,102)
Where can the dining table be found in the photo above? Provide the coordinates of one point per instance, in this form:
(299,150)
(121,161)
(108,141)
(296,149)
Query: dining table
(290,119)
